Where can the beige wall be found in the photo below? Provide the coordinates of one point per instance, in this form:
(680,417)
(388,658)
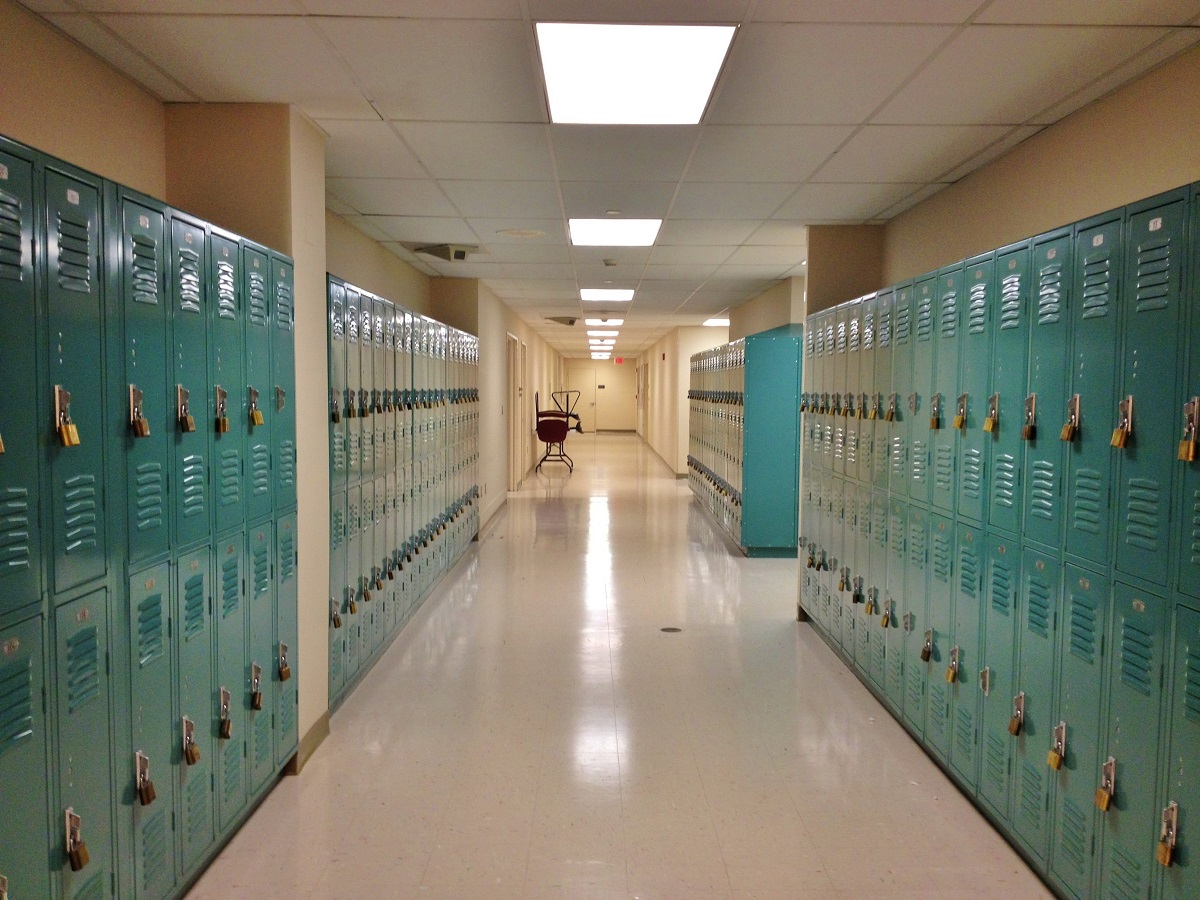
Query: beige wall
(59,98)
(667,408)
(455,301)
(781,305)
(1138,141)
(844,261)
(616,402)
(354,257)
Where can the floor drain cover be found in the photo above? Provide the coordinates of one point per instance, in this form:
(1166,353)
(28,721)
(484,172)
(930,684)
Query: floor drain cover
(671,630)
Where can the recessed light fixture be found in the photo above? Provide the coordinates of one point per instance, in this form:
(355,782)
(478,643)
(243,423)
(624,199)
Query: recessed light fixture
(603,333)
(602,342)
(630,74)
(601,356)
(716,322)
(604,322)
(613,295)
(613,232)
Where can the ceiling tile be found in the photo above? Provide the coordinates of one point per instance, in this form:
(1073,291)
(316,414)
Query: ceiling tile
(413,9)
(466,269)
(703,232)
(785,257)
(748,277)
(937,12)
(764,152)
(908,152)
(367,227)
(634,200)
(485,199)
(335,204)
(664,11)
(1091,12)
(843,202)
(622,152)
(729,201)
(530,253)
(777,233)
(194,7)
(625,256)
(553,271)
(364,149)
(391,196)
(491,231)
(1010,140)
(472,151)
(425,229)
(1001,74)
(818,74)
(48,6)
(664,256)
(692,272)
(550,289)
(919,196)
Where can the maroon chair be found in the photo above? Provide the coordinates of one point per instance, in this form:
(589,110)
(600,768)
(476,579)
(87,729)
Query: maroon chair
(553,426)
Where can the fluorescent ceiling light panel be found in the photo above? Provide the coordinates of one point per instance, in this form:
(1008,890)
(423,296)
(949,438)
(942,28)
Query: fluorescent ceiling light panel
(602,342)
(630,74)
(605,322)
(716,322)
(613,232)
(603,295)
(603,333)
(601,356)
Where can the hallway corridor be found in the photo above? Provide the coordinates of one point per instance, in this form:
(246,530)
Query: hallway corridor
(535,733)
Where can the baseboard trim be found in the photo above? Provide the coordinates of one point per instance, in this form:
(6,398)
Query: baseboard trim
(308,745)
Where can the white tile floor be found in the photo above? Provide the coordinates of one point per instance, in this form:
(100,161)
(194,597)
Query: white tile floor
(533,733)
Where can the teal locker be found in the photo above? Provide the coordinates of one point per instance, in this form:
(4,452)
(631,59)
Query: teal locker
(921,389)
(841,544)
(877,589)
(379,379)
(143,418)
(831,388)
(851,386)
(379,564)
(1080,709)
(368,569)
(257,421)
(256,692)
(943,398)
(366,375)
(1187,538)
(1002,577)
(882,389)
(75,308)
(939,621)
(966,699)
(228,715)
(1152,321)
(24,846)
(227,307)
(895,659)
(287,632)
(151,662)
(355,407)
(355,606)
(1182,879)
(194,635)
(860,577)
(1007,390)
(339,612)
(190,392)
(20,401)
(1132,738)
(835,558)
(897,413)
(1046,403)
(916,621)
(1041,587)
(390,391)
(839,385)
(84,706)
(968,411)
(864,390)
(391,552)
(339,402)
(283,383)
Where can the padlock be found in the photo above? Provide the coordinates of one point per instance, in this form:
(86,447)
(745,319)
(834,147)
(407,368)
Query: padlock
(893,401)
(285,670)
(927,647)
(1058,749)
(935,412)
(352,606)
(886,620)
(256,694)
(1029,428)
(1017,722)
(1191,431)
(1108,785)
(960,418)
(225,728)
(3,887)
(335,412)
(222,419)
(191,750)
(1,454)
(79,857)
(992,421)
(145,787)
(1165,854)
(1124,429)
(952,669)
(1169,834)
(256,416)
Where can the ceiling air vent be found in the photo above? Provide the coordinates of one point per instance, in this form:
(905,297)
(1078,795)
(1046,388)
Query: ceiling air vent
(448,252)
(562,320)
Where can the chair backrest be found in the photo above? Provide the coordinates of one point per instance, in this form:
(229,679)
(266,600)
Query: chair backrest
(552,430)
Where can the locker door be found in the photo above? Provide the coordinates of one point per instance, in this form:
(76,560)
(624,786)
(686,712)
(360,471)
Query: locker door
(1080,694)
(865,389)
(389,382)
(143,306)
(902,357)
(339,406)
(877,582)
(940,619)
(1094,358)
(1007,390)
(20,401)
(191,492)
(84,741)
(378,539)
(228,379)
(839,385)
(283,384)
(352,588)
(24,847)
(354,404)
(882,389)
(195,648)
(1002,577)
(366,375)
(972,440)
(1041,584)
(830,390)
(943,401)
(966,699)
(861,579)
(895,658)
(75,307)
(287,632)
(851,387)
(379,380)
(1182,879)
(1152,318)
(152,730)
(924,369)
(1187,537)
(1135,695)
(339,612)
(916,620)
(368,569)
(257,439)
(231,615)
(260,660)
(841,620)
(390,544)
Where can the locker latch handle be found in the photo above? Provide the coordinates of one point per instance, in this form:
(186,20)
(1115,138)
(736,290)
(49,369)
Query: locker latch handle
(1124,429)
(985,681)
(280,398)
(68,433)
(1108,784)
(183,409)
(1058,747)
(1071,429)
(960,417)
(1168,835)
(992,422)
(1029,428)
(1017,722)
(255,412)
(952,669)
(142,783)
(3,887)
(138,423)
(1191,431)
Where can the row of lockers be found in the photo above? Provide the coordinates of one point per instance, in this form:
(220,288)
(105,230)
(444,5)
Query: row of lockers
(147,469)
(716,419)
(1006,553)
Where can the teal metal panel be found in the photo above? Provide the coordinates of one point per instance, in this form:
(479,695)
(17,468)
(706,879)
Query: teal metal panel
(943,439)
(877,589)
(257,438)
(1012,312)
(882,389)
(1152,320)
(282,396)
(380,420)
(227,328)
(24,845)
(259,665)
(390,387)
(355,406)
(939,619)
(379,564)
(339,612)
(838,384)
(75,309)
(352,619)
(195,646)
(860,574)
(287,632)
(366,375)
(1080,698)
(966,698)
(864,389)
(1095,355)
(1182,879)
(152,730)
(1187,538)
(191,491)
(1132,737)
(83,705)
(921,388)
(916,619)
(1002,577)
(368,569)
(232,622)
(971,401)
(339,401)
(895,654)
(852,387)
(903,341)
(20,401)
(830,389)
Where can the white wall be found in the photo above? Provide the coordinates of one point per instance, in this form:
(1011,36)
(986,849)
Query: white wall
(667,408)
(616,401)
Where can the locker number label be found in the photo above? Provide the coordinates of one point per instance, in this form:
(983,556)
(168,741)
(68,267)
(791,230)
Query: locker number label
(144,221)
(1098,240)
(1156,223)
(1052,253)
(73,197)
(3,173)
(11,646)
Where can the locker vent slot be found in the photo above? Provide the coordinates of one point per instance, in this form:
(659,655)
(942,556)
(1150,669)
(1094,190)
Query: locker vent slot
(258,299)
(1050,295)
(851,447)
(193,607)
(868,332)
(924,318)
(144,276)
(337,528)
(1042,492)
(943,468)
(1194,546)
(83,668)
(883,330)
(829,342)
(197,809)
(896,535)
(977,309)
(352,521)
(367,448)
(14,530)
(354,450)
(1010,302)
(150,630)
(1083,627)
(1125,875)
(1137,655)
(1001,588)
(1191,683)
(339,451)
(1005,484)
(995,762)
(964,735)
(1038,619)
(879,525)
(939,705)
(809,341)
(16,704)
(262,569)
(194,478)
(231,779)
(1141,524)
(903,321)
(1085,511)
(916,689)
(369,338)
(287,712)
(337,322)
(11,246)
(189,280)
(1097,278)
(260,456)
(352,323)
(920,461)
(262,739)
(79,513)
(74,253)
(949,324)
(839,444)
(941,556)
(149,497)
(231,593)
(155,845)
(231,477)
(226,291)
(917,545)
(968,570)
(841,337)
(1031,804)
(93,889)
(287,557)
(284,309)
(287,464)
(1075,842)
(972,474)
(855,335)
(1153,275)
